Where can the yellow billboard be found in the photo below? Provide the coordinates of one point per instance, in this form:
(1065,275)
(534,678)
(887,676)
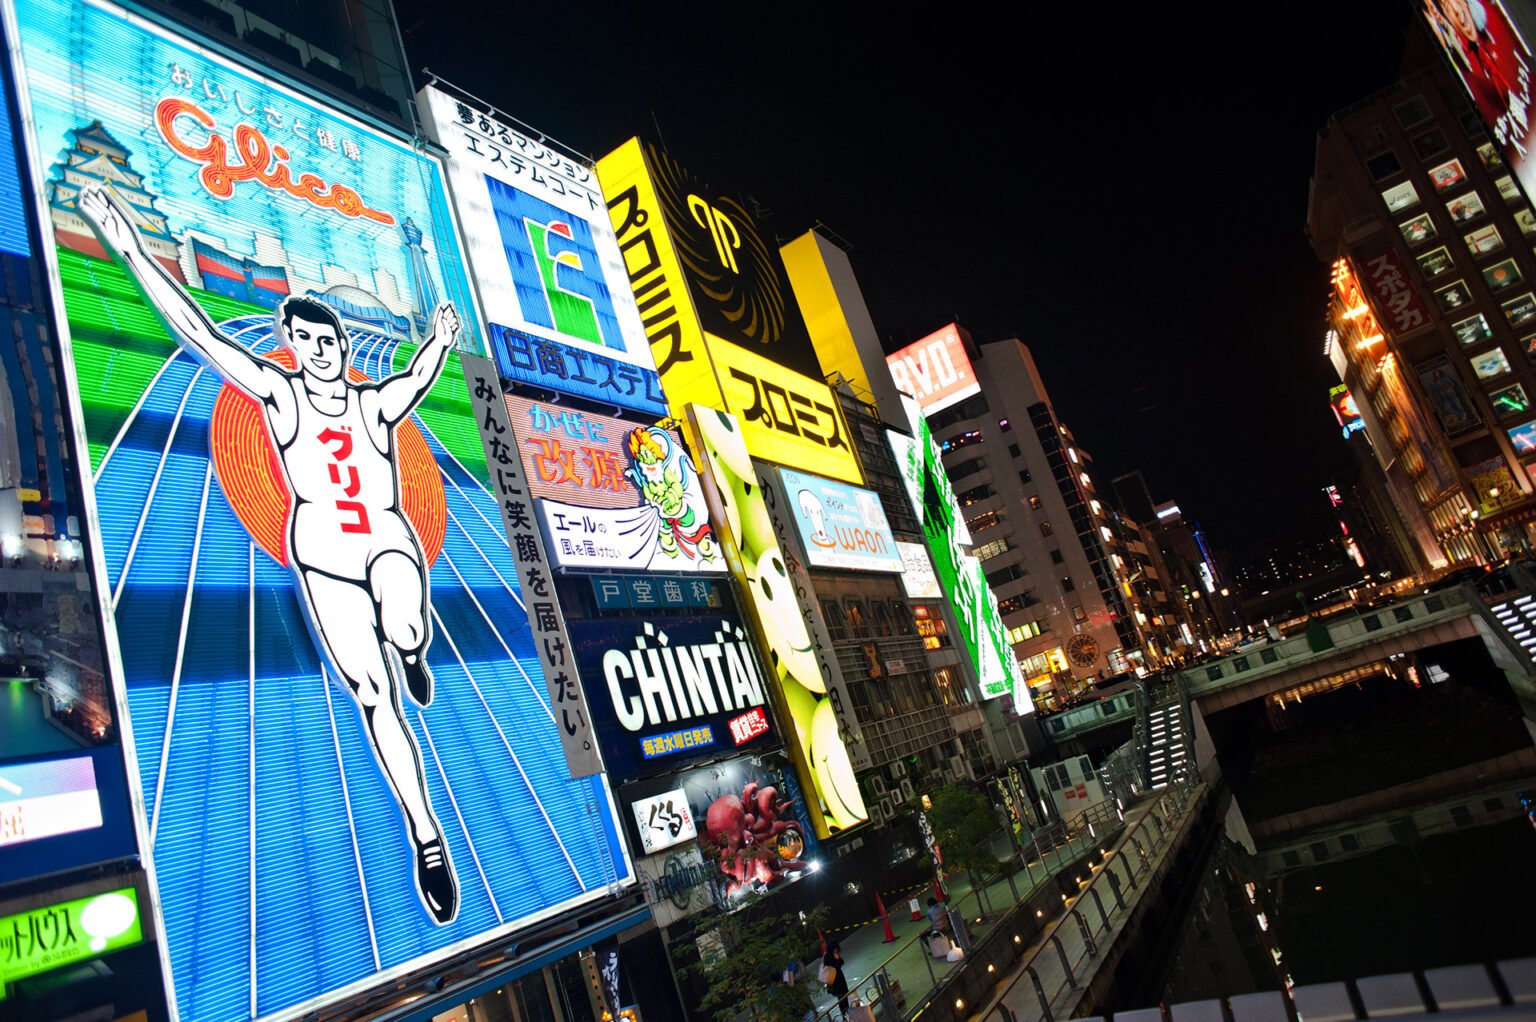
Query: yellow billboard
(786,418)
(656,276)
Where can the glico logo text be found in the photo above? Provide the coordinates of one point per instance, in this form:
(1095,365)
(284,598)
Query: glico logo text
(254,159)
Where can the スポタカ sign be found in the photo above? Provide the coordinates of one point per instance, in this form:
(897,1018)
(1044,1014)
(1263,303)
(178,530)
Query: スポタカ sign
(614,494)
(1399,306)
(541,248)
(667,690)
(841,526)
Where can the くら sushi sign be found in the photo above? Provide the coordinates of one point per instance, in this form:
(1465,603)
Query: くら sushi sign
(669,690)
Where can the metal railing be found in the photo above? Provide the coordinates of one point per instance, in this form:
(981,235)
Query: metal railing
(1046,853)
(1123,872)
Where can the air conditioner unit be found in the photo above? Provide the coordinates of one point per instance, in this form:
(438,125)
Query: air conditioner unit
(877,785)
(877,813)
(906,789)
(890,806)
(899,768)
(957,768)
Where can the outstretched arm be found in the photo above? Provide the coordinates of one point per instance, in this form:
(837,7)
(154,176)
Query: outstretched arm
(403,391)
(188,324)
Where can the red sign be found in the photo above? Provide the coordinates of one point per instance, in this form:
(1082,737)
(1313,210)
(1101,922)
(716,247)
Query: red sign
(935,370)
(749,725)
(1397,306)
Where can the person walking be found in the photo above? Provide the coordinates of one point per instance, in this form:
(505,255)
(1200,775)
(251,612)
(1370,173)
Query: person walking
(832,975)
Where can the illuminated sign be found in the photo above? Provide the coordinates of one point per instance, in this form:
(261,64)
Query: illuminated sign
(618,592)
(663,820)
(656,279)
(788,419)
(547,266)
(917,576)
(1489,53)
(820,753)
(733,271)
(43,939)
(1447,396)
(665,686)
(841,526)
(935,370)
(748,726)
(299,460)
(751,820)
(39,800)
(613,494)
(975,605)
(1344,410)
(1523,437)
(1397,303)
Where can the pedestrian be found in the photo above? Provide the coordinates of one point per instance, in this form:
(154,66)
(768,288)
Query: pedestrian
(832,975)
(938,916)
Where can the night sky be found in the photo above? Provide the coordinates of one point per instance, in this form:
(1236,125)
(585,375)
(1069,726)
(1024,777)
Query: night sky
(1125,192)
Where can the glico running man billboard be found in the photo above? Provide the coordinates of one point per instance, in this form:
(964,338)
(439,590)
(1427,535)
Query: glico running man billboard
(347,771)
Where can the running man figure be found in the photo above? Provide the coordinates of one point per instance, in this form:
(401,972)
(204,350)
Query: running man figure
(361,574)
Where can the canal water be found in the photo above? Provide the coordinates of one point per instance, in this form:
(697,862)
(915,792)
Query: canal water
(1377,828)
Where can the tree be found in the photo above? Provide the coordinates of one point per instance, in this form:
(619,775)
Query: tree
(965,823)
(742,959)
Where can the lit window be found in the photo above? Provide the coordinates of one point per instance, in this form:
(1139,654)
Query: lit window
(1079,614)
(1501,275)
(1448,175)
(1454,296)
(983,521)
(1435,262)
(1045,528)
(1465,207)
(1071,453)
(1083,478)
(1490,156)
(1420,228)
(1509,401)
(1108,536)
(1034,503)
(1484,240)
(1400,197)
(1472,331)
(1096,507)
(1490,364)
(1508,190)
(1520,311)
(987,551)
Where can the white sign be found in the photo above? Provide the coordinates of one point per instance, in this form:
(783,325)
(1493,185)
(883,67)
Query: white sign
(664,820)
(537,234)
(567,702)
(917,575)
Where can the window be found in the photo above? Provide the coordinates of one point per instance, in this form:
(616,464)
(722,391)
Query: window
(974,494)
(1013,451)
(983,521)
(1490,364)
(1435,262)
(1384,165)
(1520,311)
(1012,605)
(1465,207)
(1067,585)
(1056,557)
(961,440)
(1400,197)
(1024,632)
(930,625)
(1429,145)
(1034,503)
(901,614)
(1509,401)
(1501,275)
(1484,240)
(1006,573)
(1472,331)
(880,618)
(1490,156)
(1447,176)
(1004,425)
(1045,528)
(1508,190)
(1454,296)
(837,624)
(961,469)
(1472,124)
(1411,112)
(1420,228)
(987,551)
(1079,614)
(1024,476)
(858,626)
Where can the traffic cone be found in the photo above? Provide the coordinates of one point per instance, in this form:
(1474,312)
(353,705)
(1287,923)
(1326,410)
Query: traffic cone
(823,941)
(938,890)
(890,936)
(917,913)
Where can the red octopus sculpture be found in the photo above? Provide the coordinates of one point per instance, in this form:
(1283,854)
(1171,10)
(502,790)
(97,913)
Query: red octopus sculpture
(747,831)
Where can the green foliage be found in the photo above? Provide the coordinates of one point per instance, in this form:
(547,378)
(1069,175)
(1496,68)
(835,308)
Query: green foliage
(965,823)
(742,958)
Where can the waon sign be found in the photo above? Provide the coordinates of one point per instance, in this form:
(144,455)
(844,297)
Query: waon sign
(1397,305)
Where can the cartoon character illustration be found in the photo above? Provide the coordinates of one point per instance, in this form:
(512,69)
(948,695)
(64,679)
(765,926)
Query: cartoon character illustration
(756,846)
(356,559)
(661,471)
